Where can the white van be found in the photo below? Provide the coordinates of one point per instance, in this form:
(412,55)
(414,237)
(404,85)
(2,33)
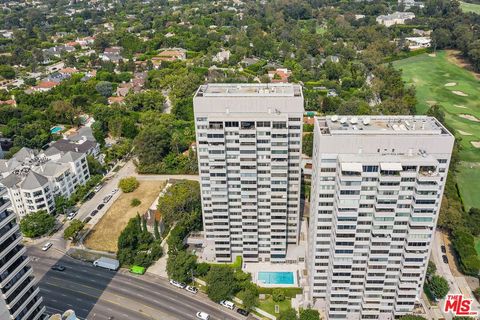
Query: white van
(227,304)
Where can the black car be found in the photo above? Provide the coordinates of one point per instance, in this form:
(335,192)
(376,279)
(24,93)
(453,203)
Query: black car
(444,250)
(242,312)
(445,259)
(94,212)
(100,206)
(58,267)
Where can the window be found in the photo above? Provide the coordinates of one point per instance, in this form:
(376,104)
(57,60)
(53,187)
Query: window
(370,168)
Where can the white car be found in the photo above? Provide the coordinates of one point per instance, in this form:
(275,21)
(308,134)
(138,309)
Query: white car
(71,215)
(46,246)
(97,188)
(203,315)
(227,304)
(114,191)
(177,284)
(191,289)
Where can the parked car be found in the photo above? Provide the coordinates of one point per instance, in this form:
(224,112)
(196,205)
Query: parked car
(46,246)
(97,188)
(71,215)
(107,198)
(58,267)
(242,312)
(87,219)
(177,284)
(444,250)
(203,315)
(94,212)
(100,206)
(114,191)
(444,258)
(191,289)
(227,304)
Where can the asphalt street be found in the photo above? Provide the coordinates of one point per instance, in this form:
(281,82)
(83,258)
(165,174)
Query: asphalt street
(95,293)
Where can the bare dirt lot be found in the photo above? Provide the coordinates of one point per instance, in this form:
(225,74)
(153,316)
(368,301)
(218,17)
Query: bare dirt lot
(105,233)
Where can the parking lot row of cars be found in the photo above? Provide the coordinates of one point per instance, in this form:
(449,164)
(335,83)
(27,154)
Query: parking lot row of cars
(203,315)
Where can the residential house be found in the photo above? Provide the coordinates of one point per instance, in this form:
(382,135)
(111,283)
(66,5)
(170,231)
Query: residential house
(45,86)
(173,54)
(112,54)
(415,43)
(119,100)
(222,56)
(280,75)
(395,18)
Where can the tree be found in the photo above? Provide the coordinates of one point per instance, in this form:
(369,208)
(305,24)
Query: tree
(156,230)
(37,224)
(278,295)
(94,166)
(249,296)
(438,286)
(431,268)
(105,88)
(307,144)
(128,184)
(202,269)
(289,314)
(61,204)
(220,283)
(309,314)
(73,229)
(7,72)
(181,266)
(473,217)
(146,100)
(179,201)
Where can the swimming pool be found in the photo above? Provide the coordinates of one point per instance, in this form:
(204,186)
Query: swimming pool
(276,277)
(55,129)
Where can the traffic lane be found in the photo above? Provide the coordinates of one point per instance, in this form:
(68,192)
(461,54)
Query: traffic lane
(84,273)
(63,295)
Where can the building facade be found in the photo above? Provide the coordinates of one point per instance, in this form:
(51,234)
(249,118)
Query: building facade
(33,179)
(19,294)
(377,186)
(249,140)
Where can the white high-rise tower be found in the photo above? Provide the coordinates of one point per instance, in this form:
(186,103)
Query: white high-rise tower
(377,186)
(249,140)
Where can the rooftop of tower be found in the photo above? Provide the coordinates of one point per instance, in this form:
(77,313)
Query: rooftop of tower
(397,125)
(249,90)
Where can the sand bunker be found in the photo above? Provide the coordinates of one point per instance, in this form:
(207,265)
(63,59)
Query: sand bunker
(469,117)
(460,106)
(450,84)
(463,133)
(460,93)
(476,144)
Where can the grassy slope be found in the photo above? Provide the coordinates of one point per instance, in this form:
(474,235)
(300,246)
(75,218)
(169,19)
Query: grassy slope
(477,245)
(429,75)
(470,7)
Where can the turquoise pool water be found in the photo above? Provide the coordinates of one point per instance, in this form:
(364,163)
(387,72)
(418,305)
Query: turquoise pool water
(276,277)
(55,129)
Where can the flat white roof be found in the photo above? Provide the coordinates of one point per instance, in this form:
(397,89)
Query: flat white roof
(249,90)
(397,125)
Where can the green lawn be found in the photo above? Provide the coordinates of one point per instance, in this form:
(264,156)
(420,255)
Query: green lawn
(470,7)
(435,79)
(469,180)
(477,246)
(268,305)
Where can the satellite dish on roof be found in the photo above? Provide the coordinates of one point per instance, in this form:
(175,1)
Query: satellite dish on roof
(334,118)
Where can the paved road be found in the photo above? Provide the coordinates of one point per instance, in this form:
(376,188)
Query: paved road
(95,293)
(457,284)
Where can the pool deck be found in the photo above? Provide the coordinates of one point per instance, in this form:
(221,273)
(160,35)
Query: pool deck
(254,268)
